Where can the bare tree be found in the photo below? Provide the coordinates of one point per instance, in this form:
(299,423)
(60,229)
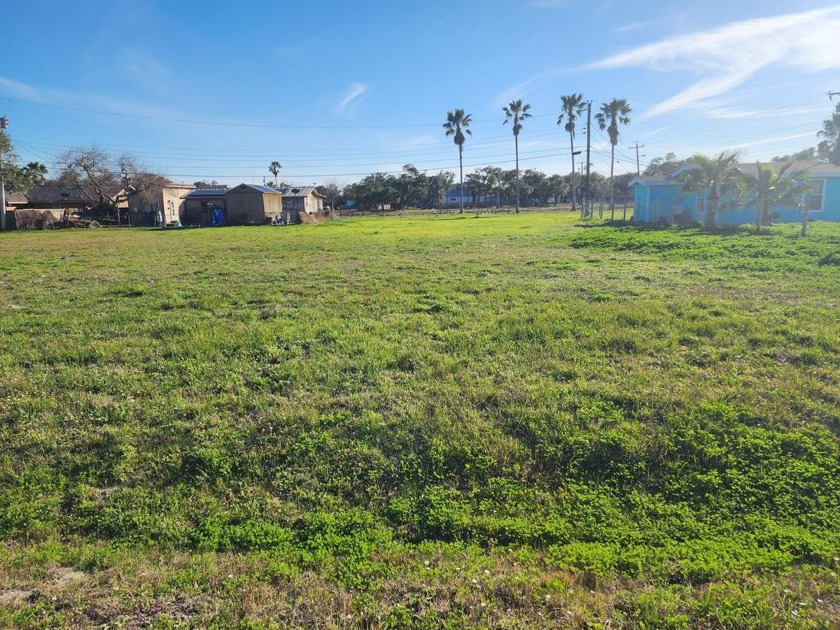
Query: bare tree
(107,182)
(332,191)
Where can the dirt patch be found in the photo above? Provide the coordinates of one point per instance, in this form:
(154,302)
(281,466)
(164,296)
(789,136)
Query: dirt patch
(66,576)
(15,596)
(316,217)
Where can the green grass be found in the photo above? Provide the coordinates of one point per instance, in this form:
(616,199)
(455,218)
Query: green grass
(420,422)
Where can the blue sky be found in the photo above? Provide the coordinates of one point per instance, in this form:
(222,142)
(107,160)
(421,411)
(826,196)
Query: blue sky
(335,90)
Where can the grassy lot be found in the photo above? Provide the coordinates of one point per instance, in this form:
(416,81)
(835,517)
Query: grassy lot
(420,422)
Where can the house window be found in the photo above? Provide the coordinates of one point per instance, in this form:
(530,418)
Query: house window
(814,195)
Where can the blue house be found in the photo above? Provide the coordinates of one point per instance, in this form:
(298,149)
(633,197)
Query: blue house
(661,199)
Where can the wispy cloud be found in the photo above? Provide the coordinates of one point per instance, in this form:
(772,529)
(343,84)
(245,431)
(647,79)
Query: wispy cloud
(105,106)
(730,113)
(727,56)
(758,143)
(94,103)
(356,92)
(147,72)
(22,90)
(522,89)
(417,141)
(775,140)
(632,26)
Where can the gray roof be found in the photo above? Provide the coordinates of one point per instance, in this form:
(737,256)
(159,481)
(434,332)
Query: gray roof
(298,191)
(257,187)
(50,193)
(15,198)
(201,193)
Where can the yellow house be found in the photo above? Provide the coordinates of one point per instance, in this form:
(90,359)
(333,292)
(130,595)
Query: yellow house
(151,206)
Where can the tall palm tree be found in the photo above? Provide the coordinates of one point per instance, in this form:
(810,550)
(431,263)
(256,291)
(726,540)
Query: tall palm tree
(829,146)
(613,114)
(573,106)
(772,189)
(516,112)
(716,175)
(457,124)
(274,169)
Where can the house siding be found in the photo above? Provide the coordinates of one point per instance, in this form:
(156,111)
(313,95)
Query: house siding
(247,206)
(308,201)
(831,201)
(659,200)
(169,201)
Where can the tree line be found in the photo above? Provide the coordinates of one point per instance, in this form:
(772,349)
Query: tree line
(486,187)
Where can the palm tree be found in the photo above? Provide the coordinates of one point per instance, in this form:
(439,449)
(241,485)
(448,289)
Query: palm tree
(274,169)
(457,124)
(516,112)
(829,147)
(573,107)
(772,189)
(715,175)
(613,114)
(36,173)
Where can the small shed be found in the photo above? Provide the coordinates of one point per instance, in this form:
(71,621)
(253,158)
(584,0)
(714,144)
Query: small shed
(252,204)
(204,206)
(304,199)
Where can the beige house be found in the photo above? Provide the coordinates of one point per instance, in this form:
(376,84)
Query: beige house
(148,208)
(304,199)
(251,204)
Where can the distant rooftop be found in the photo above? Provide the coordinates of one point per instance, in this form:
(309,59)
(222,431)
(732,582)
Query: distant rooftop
(297,191)
(258,187)
(200,193)
(51,193)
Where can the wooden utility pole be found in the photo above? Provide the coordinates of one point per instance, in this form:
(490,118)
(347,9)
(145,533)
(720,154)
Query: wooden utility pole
(4,122)
(588,198)
(637,146)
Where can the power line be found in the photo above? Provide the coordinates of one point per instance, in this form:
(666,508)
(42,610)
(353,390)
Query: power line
(637,146)
(238,124)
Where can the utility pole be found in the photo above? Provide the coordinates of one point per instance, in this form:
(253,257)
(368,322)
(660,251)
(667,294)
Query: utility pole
(588,198)
(637,146)
(4,123)
(574,172)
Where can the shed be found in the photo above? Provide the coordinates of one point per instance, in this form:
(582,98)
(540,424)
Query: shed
(204,206)
(252,204)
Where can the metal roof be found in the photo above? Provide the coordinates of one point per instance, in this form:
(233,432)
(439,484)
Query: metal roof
(259,188)
(200,193)
(297,191)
